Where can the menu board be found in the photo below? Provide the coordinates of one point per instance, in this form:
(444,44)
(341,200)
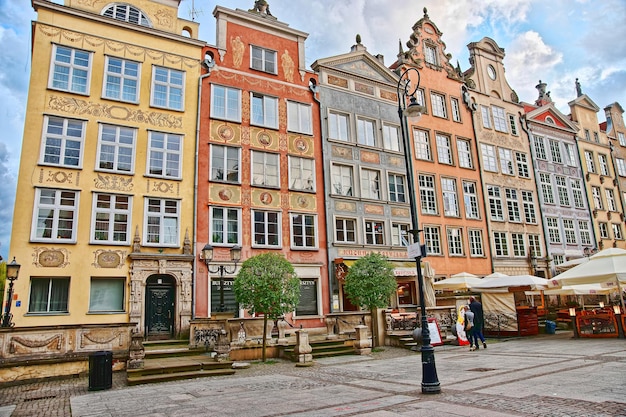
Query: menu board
(307,305)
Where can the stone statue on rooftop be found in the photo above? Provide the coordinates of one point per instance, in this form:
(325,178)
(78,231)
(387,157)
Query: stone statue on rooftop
(262,7)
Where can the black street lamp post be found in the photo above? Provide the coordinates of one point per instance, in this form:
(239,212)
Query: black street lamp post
(430,382)
(235,256)
(13,270)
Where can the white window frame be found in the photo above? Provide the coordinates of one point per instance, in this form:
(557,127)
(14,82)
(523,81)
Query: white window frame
(603,228)
(225,103)
(454,236)
(400,235)
(522,165)
(506,161)
(621,138)
(263,110)
(120,143)
(496,210)
(512,205)
(591,166)
(577,193)
(341,227)
(485,115)
(308,232)
(499,119)
(500,244)
(371,183)
(585,232)
(570,151)
(396,184)
(470,198)
(391,137)
(554,231)
(171,82)
(262,228)
(222,236)
(165,217)
(488,153)
(64,135)
(428,194)
(438,104)
(301,173)
(430,54)
(432,238)
(64,281)
(475,237)
(604,165)
(71,66)
(444,149)
(127,13)
(513,125)
(528,202)
(59,211)
(339,126)
(596,196)
(464,153)
(519,246)
(266,62)
(611,205)
(621,167)
(540,148)
(449,197)
(165,161)
(555,151)
(115,214)
(547,191)
(265,169)
(456,109)
(534,245)
(366,132)
(617,231)
(343,179)
(222,163)
(562,190)
(422,145)
(570,231)
(374,232)
(121,82)
(299,117)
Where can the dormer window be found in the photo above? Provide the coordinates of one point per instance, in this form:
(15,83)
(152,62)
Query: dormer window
(550,120)
(430,54)
(127,13)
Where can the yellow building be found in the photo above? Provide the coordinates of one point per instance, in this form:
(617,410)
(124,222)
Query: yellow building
(104,217)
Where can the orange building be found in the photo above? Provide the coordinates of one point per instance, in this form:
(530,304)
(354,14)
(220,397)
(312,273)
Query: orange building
(260,171)
(451,208)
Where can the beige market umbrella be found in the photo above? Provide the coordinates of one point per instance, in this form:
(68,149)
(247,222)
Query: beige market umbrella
(505,282)
(429,292)
(457,282)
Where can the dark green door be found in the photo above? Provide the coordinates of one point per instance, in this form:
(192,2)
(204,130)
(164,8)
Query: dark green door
(160,310)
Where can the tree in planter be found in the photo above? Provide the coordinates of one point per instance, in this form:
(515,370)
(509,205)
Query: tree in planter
(370,283)
(267,284)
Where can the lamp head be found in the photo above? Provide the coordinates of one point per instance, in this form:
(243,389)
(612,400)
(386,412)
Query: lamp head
(235,254)
(414,111)
(207,253)
(13,270)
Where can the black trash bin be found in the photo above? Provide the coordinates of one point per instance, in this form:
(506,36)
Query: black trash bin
(100,370)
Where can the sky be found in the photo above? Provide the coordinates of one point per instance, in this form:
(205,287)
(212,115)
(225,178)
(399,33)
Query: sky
(554,41)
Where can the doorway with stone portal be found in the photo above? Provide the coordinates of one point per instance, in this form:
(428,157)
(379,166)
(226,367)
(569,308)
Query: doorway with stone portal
(160,307)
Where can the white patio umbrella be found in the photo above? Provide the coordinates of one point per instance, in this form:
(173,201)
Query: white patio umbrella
(570,264)
(457,282)
(496,275)
(505,282)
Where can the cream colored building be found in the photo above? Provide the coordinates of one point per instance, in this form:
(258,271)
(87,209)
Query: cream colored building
(104,217)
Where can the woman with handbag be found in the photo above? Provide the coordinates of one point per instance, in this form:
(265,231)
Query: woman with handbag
(469,326)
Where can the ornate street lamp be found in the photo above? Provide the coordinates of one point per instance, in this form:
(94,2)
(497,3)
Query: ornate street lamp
(413,111)
(13,270)
(207,255)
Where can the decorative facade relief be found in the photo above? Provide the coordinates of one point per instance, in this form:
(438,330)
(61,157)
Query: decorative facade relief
(102,338)
(109,258)
(50,257)
(28,345)
(113,182)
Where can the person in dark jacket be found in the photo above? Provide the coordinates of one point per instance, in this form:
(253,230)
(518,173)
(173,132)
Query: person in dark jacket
(479,322)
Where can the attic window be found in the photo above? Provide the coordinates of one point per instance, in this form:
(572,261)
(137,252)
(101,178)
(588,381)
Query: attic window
(430,54)
(550,120)
(127,13)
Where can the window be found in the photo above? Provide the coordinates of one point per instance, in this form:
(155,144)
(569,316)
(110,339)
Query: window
(513,124)
(476,242)
(555,152)
(484,111)
(370,184)
(396,188)
(577,192)
(561,186)
(48,295)
(165,150)
(116,151)
(432,237)
(264,110)
(342,179)
(522,164)
(604,230)
(374,232)
(225,226)
(301,173)
(162,222)
(225,162)
(106,295)
(168,88)
(303,228)
(540,148)
(597,198)
(345,230)
(512,205)
(519,248)
(71,70)
(422,145)
(63,142)
(308,304)
(111,218)
(366,132)
(621,167)
(299,117)
(589,160)
(391,137)
(265,169)
(428,200)
(489,157)
(430,54)
(464,153)
(419,97)
(455,241)
(529,207)
(338,126)
(610,200)
(604,165)
(500,243)
(266,227)
(570,231)
(263,59)
(506,161)
(587,135)
(450,200)
(570,153)
(470,198)
(617,231)
(56,214)
(438,103)
(456,109)
(499,119)
(585,234)
(127,13)
(495,203)
(444,152)
(400,234)
(225,103)
(558,259)
(121,79)
(546,188)
(553,229)
(621,138)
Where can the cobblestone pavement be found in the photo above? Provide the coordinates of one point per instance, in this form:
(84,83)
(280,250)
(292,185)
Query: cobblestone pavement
(547,376)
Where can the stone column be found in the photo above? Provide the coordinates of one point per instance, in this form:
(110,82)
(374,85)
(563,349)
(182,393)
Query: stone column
(303,349)
(136,352)
(362,344)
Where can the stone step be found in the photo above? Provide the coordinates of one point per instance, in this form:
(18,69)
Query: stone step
(202,373)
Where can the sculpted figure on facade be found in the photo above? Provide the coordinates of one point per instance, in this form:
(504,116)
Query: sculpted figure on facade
(288,66)
(238,48)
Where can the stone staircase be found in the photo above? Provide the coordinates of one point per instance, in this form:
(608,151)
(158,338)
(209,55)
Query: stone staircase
(171,360)
(323,348)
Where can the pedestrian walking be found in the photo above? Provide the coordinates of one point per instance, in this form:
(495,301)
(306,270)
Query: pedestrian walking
(468,320)
(479,322)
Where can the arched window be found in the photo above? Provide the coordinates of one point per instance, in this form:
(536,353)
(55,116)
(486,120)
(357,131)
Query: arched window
(127,13)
